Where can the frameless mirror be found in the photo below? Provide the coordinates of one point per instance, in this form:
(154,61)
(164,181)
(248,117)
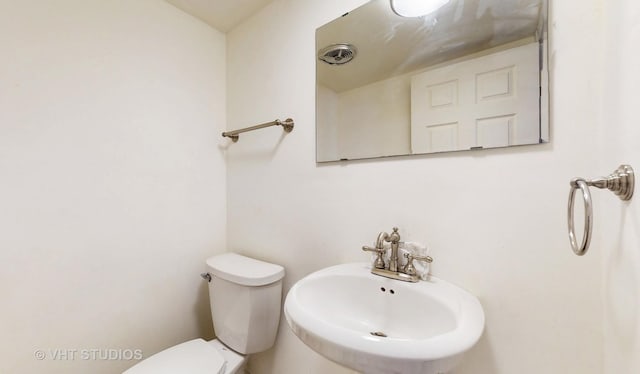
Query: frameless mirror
(470,75)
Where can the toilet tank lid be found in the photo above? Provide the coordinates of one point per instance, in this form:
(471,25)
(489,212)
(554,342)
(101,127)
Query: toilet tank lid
(244,270)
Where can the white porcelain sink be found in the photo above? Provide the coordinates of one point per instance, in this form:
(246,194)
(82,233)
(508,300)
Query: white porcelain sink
(378,325)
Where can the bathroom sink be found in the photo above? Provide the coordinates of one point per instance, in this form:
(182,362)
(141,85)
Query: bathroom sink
(378,325)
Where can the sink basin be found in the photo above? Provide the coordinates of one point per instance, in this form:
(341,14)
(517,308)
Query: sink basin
(374,324)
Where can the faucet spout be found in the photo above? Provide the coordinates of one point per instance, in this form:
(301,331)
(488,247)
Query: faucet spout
(382,237)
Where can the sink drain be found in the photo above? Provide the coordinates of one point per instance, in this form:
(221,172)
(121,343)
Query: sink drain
(378,333)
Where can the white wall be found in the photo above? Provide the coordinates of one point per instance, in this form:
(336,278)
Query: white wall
(375,120)
(618,223)
(495,220)
(352,128)
(328,133)
(112,187)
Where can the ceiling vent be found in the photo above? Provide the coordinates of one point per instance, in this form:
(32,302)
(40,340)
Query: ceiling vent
(337,54)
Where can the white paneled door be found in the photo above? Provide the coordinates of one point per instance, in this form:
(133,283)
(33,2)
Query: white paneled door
(488,101)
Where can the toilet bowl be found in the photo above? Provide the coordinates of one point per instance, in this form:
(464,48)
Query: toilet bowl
(245,295)
(196,356)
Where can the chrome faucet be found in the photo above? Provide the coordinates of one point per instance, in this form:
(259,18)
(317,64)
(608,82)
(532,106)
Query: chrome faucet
(394,238)
(405,273)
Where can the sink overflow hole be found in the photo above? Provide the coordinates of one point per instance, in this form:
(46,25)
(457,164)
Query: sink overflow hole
(382,289)
(392,291)
(379,333)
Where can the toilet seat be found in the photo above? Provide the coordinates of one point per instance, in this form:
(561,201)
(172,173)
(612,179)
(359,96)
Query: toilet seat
(193,357)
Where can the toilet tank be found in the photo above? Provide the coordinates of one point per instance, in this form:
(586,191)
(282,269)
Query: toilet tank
(245,296)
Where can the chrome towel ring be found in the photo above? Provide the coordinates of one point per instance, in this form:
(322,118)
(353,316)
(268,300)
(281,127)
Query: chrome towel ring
(580,184)
(621,182)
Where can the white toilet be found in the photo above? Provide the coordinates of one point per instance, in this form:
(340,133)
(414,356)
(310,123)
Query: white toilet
(245,296)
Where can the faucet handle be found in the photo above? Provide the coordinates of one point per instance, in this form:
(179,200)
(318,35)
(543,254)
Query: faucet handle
(394,237)
(373,249)
(379,262)
(409,268)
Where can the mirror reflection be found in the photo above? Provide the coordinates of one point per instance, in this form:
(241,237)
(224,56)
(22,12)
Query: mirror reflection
(470,74)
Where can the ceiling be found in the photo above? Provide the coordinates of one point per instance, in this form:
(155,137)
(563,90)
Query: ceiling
(389,45)
(221,14)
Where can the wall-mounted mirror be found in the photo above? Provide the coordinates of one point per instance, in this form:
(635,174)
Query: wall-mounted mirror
(470,75)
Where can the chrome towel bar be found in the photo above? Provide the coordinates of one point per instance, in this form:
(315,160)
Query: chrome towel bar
(621,182)
(287,125)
